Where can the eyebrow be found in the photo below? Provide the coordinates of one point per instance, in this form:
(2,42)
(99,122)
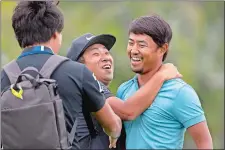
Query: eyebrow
(93,50)
(96,48)
(139,41)
(131,39)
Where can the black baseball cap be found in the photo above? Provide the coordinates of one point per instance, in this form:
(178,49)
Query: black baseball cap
(80,44)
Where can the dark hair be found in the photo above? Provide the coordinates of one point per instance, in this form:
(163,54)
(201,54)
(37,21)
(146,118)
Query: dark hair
(153,26)
(81,59)
(36,21)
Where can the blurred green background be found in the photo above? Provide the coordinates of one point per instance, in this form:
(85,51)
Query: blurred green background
(197,46)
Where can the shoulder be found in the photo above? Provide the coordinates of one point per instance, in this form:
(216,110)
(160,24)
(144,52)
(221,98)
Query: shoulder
(171,88)
(187,106)
(181,87)
(70,69)
(181,91)
(174,83)
(127,84)
(71,66)
(69,72)
(188,94)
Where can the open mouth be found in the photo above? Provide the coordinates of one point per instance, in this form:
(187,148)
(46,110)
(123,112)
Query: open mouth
(136,59)
(106,66)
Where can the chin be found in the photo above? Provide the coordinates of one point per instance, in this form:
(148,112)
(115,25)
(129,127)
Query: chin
(137,70)
(109,78)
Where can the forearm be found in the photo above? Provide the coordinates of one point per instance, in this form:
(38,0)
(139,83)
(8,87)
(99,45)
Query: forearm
(109,121)
(116,132)
(144,97)
(119,108)
(140,101)
(205,145)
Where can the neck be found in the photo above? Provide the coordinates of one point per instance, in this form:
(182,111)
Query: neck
(106,83)
(42,44)
(143,78)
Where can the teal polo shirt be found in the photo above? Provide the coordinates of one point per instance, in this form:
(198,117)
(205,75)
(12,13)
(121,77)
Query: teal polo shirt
(162,126)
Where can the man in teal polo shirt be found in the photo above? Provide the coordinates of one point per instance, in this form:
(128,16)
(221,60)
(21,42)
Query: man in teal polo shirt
(175,108)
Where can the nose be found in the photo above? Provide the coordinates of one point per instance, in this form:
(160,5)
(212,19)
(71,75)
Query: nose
(105,58)
(134,51)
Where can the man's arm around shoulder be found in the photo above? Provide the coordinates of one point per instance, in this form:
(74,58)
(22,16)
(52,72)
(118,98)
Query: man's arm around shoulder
(143,98)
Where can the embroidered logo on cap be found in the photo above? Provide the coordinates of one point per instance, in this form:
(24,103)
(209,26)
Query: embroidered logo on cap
(88,38)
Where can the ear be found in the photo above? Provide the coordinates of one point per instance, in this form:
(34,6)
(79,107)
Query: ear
(54,36)
(164,48)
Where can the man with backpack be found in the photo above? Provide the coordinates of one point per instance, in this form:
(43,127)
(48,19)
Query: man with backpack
(39,88)
(94,52)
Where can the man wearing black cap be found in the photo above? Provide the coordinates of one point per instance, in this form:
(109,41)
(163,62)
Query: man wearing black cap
(93,51)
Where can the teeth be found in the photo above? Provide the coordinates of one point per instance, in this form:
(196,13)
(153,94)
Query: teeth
(135,59)
(106,67)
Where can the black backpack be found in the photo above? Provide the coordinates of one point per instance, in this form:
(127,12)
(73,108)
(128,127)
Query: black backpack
(32,115)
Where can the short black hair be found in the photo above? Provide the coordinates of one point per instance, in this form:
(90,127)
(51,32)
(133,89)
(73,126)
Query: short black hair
(153,26)
(81,59)
(36,21)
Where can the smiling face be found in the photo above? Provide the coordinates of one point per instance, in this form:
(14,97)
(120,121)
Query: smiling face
(98,59)
(144,53)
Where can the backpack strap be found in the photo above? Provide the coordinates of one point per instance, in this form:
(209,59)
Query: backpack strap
(12,70)
(71,135)
(29,69)
(51,64)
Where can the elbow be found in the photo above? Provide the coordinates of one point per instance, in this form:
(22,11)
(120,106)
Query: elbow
(131,116)
(130,112)
(127,115)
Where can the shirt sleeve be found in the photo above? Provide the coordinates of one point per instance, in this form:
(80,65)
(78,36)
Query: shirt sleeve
(187,107)
(93,92)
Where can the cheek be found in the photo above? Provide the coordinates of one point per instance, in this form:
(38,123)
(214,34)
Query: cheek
(128,49)
(160,54)
(149,57)
(111,58)
(154,58)
(92,63)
